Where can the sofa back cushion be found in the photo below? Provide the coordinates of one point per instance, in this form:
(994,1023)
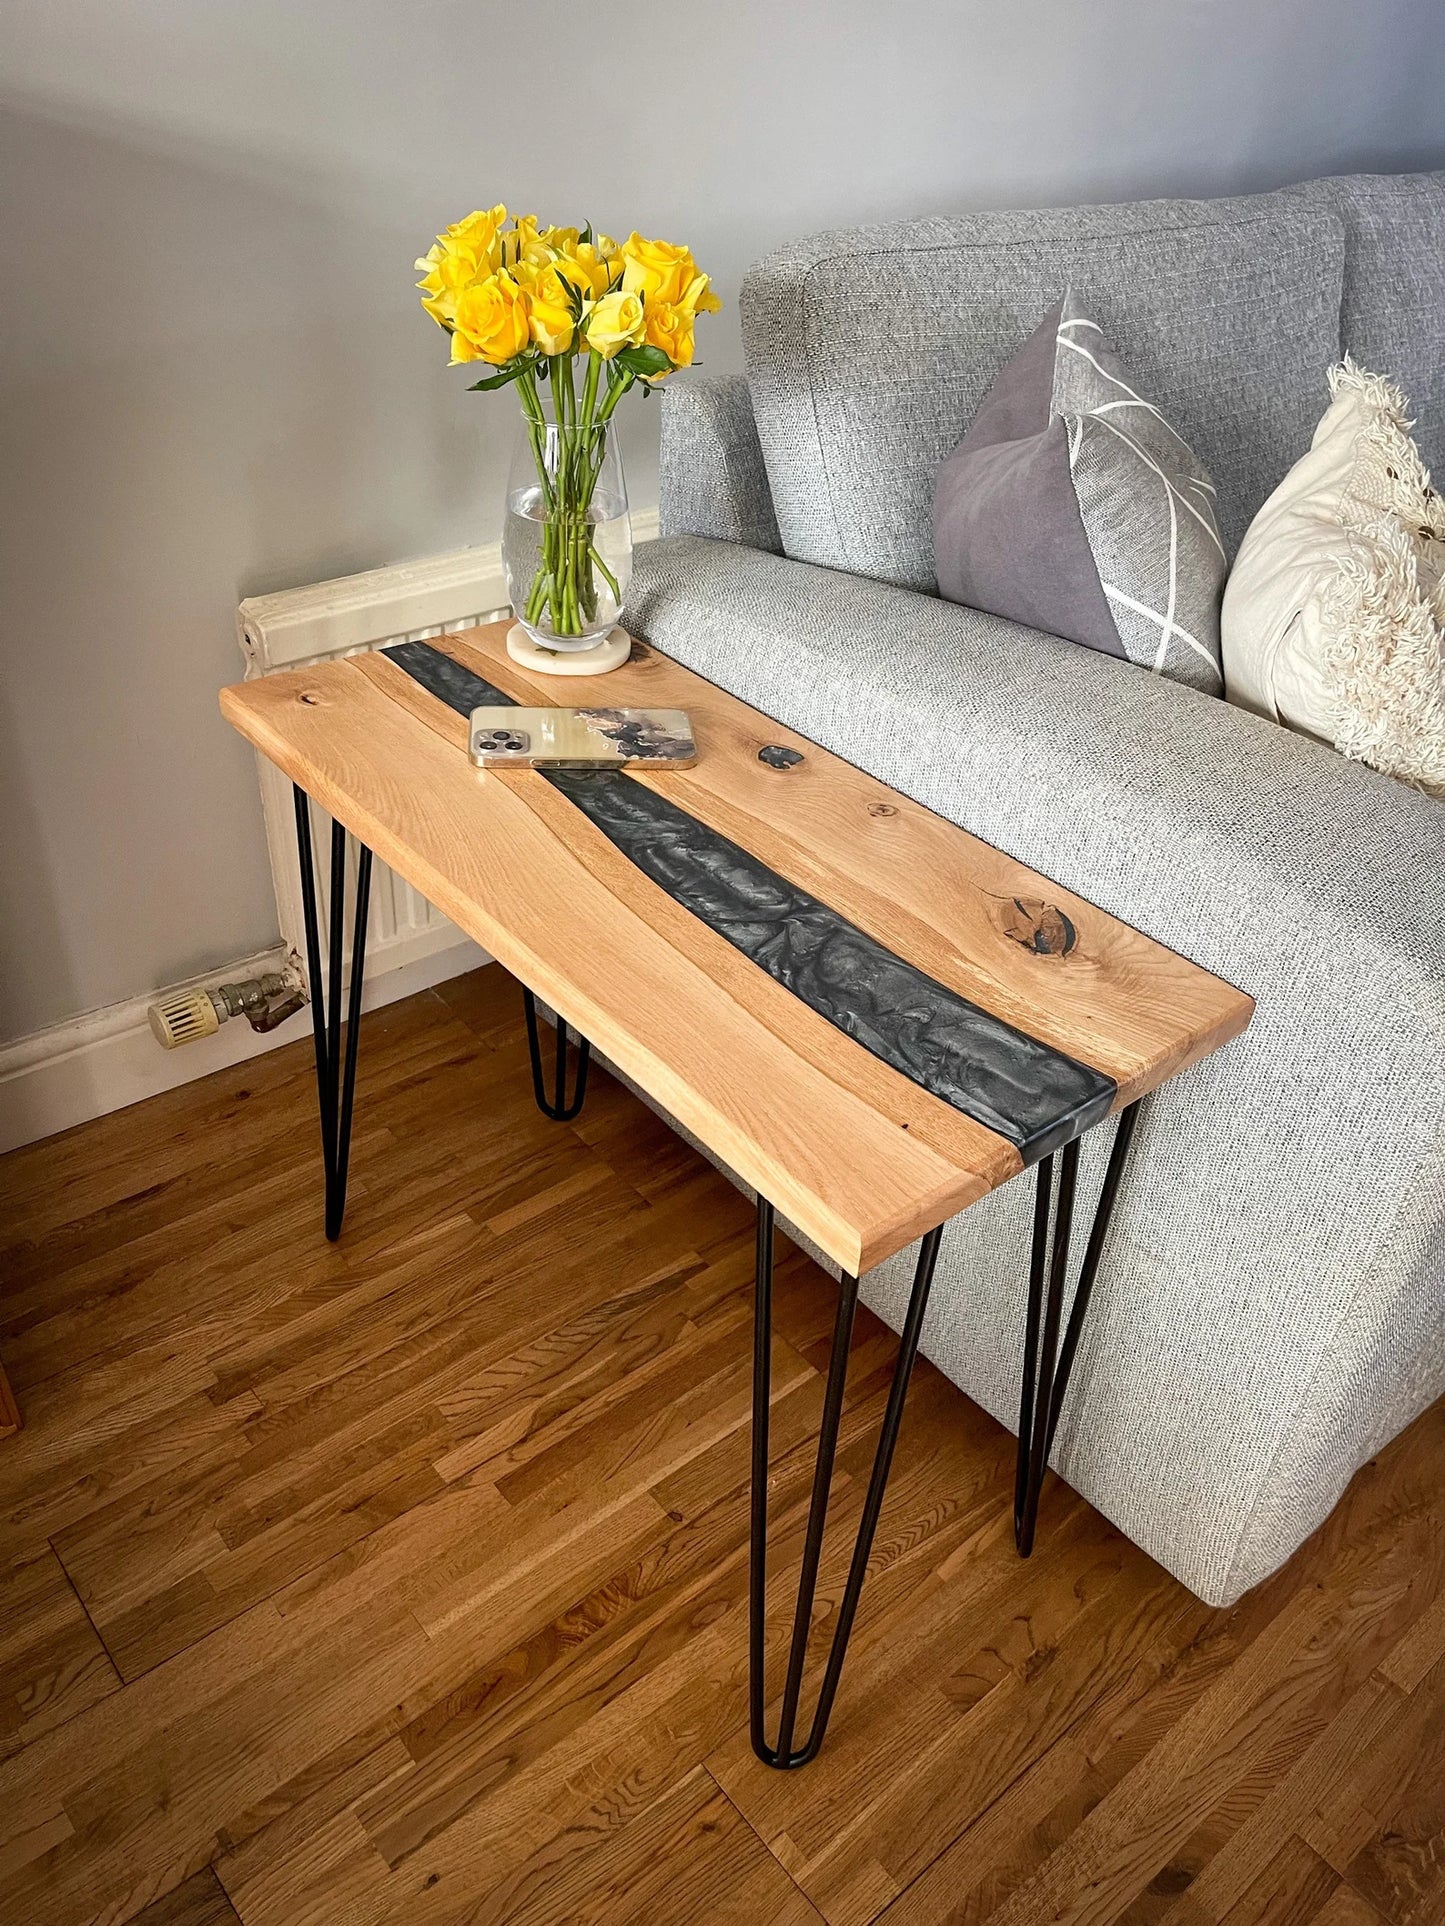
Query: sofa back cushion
(870,350)
(1392,317)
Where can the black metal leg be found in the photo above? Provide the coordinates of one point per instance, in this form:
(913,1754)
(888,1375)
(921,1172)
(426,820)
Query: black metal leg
(784,1755)
(335,1073)
(559,1107)
(1047,1364)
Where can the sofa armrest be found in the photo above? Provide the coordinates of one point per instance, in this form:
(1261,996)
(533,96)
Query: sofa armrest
(713,481)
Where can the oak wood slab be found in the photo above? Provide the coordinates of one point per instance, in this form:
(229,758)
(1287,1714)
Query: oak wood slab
(860,1158)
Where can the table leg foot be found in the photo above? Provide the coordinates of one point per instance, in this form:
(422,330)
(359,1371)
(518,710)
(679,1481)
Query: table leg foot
(785,1756)
(335,1072)
(1047,1365)
(559,1106)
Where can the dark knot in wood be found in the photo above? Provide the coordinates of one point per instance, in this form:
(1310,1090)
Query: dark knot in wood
(1038,926)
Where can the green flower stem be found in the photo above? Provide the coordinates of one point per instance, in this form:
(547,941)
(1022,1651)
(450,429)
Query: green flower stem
(589,388)
(536,429)
(616,389)
(610,578)
(565,583)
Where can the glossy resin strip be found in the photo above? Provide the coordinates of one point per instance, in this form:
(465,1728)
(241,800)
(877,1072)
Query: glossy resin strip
(1033,1095)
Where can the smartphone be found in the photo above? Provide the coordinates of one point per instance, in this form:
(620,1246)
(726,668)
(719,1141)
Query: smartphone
(581,738)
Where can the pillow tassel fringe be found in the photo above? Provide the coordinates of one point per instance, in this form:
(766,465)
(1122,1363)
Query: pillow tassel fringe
(1385,608)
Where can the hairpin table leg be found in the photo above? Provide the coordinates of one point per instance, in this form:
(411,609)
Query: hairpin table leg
(559,1106)
(784,1754)
(335,1073)
(1046,1366)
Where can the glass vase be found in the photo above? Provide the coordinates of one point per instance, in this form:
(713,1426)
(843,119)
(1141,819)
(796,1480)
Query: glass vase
(567,541)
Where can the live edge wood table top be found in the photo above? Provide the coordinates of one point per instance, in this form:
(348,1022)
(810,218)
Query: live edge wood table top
(1078,1010)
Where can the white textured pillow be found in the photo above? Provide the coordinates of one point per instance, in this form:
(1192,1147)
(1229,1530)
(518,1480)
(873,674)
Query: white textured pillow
(1334,614)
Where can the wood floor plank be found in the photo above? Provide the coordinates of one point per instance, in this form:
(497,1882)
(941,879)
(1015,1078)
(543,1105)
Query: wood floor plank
(1400,1868)
(1420,1650)
(1335,1790)
(1236,1851)
(52,1663)
(1191,1649)
(689,1855)
(10,1417)
(424,1561)
(1278,1696)
(201,1901)
(1351,1808)
(1345,1907)
(1289,1891)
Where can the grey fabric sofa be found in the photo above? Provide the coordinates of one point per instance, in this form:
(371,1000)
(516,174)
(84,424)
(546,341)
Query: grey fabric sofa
(1272,1307)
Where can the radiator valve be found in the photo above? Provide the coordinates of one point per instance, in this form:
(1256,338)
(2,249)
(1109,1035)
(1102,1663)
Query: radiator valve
(264,1001)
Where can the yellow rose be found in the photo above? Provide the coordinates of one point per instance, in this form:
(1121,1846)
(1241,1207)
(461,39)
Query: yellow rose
(607,254)
(550,313)
(526,243)
(698,298)
(479,235)
(468,251)
(446,273)
(490,321)
(670,328)
(613,323)
(587,268)
(658,268)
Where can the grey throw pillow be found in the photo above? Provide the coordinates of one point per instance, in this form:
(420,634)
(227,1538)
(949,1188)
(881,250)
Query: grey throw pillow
(1072,505)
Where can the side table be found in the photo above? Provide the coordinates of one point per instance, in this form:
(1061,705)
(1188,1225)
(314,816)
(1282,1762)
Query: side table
(871,1017)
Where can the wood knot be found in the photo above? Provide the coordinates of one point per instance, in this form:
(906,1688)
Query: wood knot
(882,809)
(1039,927)
(776,756)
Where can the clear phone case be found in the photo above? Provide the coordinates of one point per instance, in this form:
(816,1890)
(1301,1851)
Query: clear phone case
(581,738)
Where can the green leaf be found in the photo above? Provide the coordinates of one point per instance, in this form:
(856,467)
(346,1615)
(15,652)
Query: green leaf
(586,233)
(509,370)
(643,361)
(499,379)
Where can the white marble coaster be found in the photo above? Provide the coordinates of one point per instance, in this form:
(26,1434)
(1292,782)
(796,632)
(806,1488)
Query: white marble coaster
(610,653)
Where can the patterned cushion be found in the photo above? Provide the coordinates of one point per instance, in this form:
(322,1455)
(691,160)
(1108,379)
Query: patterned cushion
(1334,619)
(1073,506)
(870,350)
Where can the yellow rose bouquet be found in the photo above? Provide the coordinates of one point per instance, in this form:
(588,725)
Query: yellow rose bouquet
(571,313)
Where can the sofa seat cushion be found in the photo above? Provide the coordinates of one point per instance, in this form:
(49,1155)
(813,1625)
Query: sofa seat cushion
(870,350)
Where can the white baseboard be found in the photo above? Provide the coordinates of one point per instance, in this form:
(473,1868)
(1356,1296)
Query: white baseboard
(108,1059)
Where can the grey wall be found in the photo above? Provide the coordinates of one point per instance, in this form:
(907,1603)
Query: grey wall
(216,380)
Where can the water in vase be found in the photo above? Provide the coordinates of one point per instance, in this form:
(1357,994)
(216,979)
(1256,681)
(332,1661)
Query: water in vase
(597,579)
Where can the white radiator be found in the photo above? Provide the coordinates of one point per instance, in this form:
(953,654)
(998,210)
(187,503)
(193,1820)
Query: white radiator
(297,627)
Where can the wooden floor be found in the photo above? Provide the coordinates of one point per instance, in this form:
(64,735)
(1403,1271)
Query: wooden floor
(406,1580)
